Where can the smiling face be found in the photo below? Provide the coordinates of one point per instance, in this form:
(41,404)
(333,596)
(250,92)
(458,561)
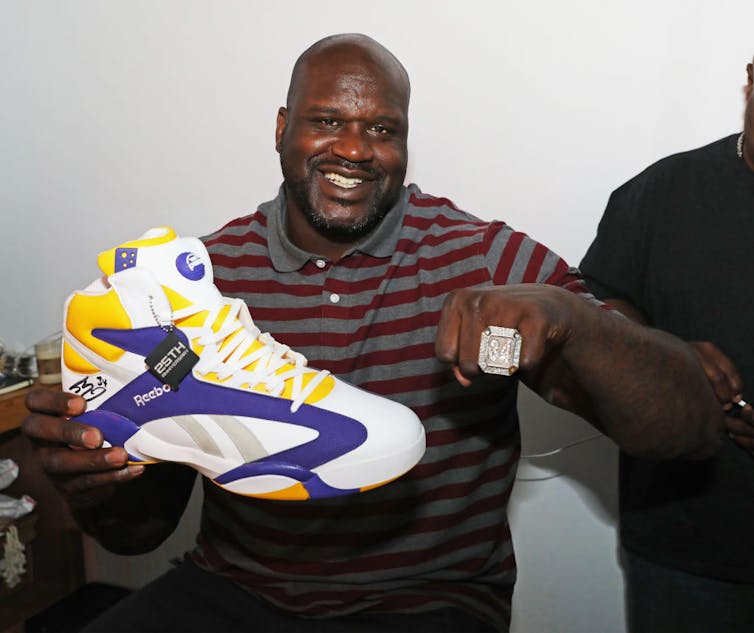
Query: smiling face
(342,143)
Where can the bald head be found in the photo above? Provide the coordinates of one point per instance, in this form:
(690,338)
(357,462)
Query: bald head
(344,50)
(342,139)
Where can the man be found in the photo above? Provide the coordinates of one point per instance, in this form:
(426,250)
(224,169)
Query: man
(390,289)
(671,252)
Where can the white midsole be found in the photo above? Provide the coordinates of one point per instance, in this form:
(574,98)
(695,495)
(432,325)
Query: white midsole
(345,475)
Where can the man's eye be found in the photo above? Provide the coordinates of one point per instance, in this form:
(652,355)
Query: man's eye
(379,129)
(328,122)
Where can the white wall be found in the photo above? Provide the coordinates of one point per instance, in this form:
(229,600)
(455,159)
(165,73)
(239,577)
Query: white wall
(117,116)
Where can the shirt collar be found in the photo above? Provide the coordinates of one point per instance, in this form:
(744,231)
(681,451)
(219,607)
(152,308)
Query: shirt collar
(287,257)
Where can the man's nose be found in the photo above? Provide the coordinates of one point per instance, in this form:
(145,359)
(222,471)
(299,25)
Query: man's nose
(352,143)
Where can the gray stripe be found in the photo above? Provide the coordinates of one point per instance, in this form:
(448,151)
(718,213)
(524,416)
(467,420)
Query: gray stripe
(199,434)
(246,442)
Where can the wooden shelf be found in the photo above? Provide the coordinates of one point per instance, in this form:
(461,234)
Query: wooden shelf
(12,407)
(55,553)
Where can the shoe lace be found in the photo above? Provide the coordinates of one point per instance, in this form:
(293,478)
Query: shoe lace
(242,355)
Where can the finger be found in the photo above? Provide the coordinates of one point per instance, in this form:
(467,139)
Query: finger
(477,311)
(743,441)
(738,427)
(533,343)
(719,382)
(730,374)
(55,403)
(91,489)
(469,338)
(746,412)
(460,377)
(49,429)
(446,341)
(64,461)
(740,409)
(720,371)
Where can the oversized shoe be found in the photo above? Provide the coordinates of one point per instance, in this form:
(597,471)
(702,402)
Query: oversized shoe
(243,409)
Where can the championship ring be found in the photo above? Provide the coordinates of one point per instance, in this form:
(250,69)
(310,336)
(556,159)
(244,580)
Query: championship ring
(499,350)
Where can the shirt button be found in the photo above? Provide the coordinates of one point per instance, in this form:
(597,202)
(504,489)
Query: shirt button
(334,297)
(320,263)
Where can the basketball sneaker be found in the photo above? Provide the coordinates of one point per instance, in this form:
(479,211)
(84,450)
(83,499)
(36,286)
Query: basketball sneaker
(174,371)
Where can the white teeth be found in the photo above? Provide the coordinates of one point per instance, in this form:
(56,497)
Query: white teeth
(342,181)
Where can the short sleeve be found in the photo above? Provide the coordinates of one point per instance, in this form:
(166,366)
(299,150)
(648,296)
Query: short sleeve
(513,257)
(615,264)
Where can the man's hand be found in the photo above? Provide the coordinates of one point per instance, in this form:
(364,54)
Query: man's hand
(643,387)
(728,386)
(71,453)
(126,512)
(542,314)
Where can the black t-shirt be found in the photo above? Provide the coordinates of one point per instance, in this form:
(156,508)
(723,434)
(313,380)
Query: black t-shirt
(678,242)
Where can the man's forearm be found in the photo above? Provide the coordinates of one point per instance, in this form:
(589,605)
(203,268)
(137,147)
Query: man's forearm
(645,388)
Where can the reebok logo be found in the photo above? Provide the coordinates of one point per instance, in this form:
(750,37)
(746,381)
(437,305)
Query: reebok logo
(190,265)
(141,400)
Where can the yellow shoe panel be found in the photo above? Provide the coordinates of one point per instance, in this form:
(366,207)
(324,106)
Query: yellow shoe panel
(176,299)
(75,362)
(86,312)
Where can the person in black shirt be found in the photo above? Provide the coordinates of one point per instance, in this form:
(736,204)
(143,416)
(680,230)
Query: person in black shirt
(672,250)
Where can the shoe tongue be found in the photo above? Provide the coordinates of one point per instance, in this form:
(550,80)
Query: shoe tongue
(180,264)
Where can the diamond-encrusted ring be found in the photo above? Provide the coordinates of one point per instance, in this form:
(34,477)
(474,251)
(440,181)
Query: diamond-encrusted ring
(499,350)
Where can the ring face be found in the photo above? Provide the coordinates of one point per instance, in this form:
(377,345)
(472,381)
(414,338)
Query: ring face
(499,350)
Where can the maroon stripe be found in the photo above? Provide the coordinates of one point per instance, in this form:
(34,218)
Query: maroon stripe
(365,539)
(410,269)
(399,297)
(365,505)
(334,339)
(535,264)
(241,260)
(407,384)
(441,219)
(491,232)
(414,598)
(385,358)
(458,404)
(375,562)
(253,286)
(249,237)
(383,561)
(431,201)
(508,257)
(391,299)
(408,245)
(320,599)
(375,505)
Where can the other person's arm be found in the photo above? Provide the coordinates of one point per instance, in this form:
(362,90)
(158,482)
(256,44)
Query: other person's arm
(722,374)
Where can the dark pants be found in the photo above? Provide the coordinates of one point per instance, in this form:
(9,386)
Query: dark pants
(187,599)
(664,600)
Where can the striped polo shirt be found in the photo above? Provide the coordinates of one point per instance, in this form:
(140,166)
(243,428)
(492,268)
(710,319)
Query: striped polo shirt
(438,536)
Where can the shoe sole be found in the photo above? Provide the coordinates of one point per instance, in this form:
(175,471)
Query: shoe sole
(265,478)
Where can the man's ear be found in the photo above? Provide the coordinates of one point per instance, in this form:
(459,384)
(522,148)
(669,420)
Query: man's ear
(749,81)
(282,121)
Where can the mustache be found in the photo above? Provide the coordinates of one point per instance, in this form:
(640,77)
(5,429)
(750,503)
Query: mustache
(346,164)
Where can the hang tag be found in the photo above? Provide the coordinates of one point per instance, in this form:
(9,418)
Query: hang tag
(171,361)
